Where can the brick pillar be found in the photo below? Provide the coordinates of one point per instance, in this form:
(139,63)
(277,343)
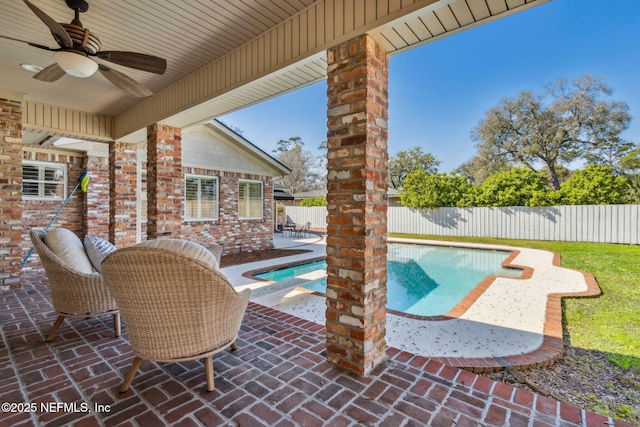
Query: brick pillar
(165,182)
(357,204)
(10,193)
(96,216)
(123,183)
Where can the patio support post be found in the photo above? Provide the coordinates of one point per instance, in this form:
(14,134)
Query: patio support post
(357,204)
(165,182)
(10,192)
(96,217)
(122,194)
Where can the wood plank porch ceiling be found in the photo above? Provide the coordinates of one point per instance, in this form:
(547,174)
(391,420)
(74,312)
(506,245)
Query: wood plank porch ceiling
(222,55)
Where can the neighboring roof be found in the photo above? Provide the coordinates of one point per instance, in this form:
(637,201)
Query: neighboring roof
(279,194)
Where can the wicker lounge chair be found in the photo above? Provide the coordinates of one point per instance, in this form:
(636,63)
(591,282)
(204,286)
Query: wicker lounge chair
(74,294)
(174,308)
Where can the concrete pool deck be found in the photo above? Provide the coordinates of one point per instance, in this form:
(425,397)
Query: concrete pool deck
(504,322)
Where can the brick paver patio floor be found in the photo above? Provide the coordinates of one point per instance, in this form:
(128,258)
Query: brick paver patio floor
(277,377)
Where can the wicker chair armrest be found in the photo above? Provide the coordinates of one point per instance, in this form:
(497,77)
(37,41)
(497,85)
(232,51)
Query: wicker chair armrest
(235,311)
(244,292)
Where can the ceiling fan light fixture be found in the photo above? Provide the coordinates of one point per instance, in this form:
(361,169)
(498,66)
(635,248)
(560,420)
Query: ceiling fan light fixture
(76,64)
(31,68)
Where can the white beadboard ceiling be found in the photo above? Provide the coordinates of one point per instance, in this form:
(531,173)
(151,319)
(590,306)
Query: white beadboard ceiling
(222,55)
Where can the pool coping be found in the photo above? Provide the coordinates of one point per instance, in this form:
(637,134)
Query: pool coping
(552,347)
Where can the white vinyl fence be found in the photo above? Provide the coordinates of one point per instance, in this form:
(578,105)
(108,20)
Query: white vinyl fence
(592,223)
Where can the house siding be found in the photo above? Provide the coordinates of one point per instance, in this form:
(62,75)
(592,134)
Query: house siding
(208,148)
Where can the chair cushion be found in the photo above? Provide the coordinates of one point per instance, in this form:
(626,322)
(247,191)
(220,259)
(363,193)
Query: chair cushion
(97,249)
(68,247)
(216,250)
(184,247)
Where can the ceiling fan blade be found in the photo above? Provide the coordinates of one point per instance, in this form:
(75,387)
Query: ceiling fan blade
(139,61)
(124,82)
(50,74)
(39,46)
(57,30)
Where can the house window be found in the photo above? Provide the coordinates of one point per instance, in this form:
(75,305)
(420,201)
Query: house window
(43,180)
(143,196)
(201,198)
(250,200)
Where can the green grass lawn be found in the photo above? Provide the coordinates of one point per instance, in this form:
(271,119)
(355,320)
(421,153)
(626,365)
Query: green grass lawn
(609,323)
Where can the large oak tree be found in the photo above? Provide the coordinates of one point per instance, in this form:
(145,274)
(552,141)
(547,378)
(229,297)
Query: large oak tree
(578,121)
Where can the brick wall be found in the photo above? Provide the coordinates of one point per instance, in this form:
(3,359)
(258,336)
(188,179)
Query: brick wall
(38,213)
(235,235)
(357,204)
(85,213)
(10,193)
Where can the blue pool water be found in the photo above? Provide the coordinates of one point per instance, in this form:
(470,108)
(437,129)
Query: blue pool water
(421,279)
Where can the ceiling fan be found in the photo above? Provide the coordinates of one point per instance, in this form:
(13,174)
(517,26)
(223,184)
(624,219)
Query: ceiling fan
(78,44)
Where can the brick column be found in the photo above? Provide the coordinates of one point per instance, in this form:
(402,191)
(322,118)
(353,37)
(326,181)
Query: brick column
(165,182)
(357,204)
(96,216)
(123,176)
(10,193)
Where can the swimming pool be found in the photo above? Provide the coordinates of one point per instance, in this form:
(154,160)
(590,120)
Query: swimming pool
(423,280)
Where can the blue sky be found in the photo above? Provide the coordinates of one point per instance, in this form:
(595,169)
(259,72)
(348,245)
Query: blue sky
(439,92)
